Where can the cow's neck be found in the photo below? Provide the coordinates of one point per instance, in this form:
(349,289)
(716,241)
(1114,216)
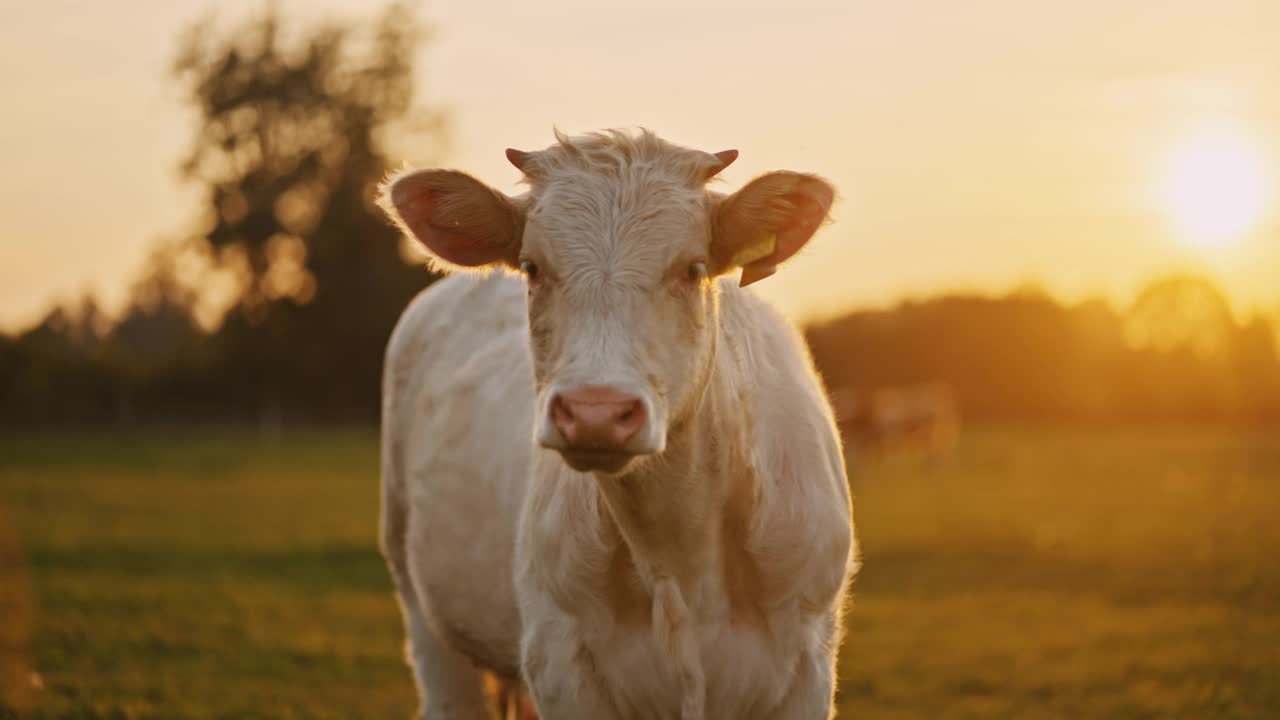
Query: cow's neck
(676,511)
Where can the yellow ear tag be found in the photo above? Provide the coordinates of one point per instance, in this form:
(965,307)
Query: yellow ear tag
(753,253)
(762,248)
(753,273)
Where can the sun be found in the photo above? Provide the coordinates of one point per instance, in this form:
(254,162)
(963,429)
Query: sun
(1215,188)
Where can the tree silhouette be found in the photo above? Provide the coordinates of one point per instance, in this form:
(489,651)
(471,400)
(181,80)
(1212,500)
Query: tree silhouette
(1182,311)
(290,145)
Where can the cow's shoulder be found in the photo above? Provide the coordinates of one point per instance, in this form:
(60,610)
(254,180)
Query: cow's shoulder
(802,525)
(766,353)
(458,358)
(452,319)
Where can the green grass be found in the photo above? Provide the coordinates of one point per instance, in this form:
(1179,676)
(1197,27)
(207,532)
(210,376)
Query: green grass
(206,576)
(1055,573)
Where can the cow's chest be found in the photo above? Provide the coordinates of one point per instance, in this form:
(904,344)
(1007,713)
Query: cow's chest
(747,673)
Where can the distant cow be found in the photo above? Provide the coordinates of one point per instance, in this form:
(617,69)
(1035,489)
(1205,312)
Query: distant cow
(921,417)
(616,478)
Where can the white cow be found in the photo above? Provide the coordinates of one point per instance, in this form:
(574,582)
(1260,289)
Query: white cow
(616,478)
(922,417)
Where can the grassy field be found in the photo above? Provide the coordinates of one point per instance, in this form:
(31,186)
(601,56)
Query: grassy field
(1037,573)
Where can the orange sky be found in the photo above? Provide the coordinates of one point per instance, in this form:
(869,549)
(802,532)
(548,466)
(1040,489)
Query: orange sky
(976,145)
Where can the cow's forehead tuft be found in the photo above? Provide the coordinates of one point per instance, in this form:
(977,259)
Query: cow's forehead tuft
(621,155)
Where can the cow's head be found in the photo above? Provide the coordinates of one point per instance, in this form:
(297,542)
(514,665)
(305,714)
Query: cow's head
(619,241)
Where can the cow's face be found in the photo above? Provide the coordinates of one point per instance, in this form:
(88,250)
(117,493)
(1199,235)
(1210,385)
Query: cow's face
(621,311)
(618,241)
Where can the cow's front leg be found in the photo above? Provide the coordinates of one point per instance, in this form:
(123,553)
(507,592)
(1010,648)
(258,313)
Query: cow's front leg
(561,676)
(810,696)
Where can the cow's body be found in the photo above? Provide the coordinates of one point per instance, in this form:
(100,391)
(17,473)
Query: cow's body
(704,580)
(456,457)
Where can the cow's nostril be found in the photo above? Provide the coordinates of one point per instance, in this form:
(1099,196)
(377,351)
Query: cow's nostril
(562,417)
(560,411)
(630,420)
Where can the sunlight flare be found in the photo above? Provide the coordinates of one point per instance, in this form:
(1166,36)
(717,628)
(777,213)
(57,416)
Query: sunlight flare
(1215,187)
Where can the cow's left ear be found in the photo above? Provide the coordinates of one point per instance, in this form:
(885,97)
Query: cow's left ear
(767,222)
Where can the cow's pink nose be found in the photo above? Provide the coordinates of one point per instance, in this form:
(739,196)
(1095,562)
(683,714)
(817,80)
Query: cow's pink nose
(597,417)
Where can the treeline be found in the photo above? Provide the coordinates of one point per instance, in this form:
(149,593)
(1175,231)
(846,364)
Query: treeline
(1176,354)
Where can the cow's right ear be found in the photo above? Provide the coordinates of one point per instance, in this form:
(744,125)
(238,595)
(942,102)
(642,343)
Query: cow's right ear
(459,220)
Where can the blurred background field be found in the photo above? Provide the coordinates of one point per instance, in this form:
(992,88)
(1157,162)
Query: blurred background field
(1031,572)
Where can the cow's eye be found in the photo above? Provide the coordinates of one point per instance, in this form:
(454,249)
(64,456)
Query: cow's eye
(530,269)
(697,272)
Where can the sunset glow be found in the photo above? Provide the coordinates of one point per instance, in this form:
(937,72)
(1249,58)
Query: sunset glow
(972,148)
(1215,188)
